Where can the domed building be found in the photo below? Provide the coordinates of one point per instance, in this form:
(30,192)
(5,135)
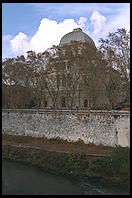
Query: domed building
(79,75)
(76,35)
(68,91)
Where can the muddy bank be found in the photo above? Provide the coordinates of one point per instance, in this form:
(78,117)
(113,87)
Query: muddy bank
(73,164)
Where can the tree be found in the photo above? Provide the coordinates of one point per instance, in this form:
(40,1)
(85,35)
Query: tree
(116,51)
(68,75)
(76,66)
(17,79)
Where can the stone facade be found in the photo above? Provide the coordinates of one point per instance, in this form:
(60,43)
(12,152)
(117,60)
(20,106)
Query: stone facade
(76,81)
(109,128)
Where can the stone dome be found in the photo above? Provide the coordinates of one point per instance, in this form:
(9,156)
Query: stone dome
(76,35)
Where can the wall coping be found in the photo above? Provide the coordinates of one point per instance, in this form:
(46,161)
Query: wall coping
(113,112)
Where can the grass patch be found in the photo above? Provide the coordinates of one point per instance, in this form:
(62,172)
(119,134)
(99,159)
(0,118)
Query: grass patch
(116,167)
(75,162)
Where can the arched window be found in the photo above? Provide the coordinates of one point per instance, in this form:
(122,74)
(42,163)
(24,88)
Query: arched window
(58,81)
(63,81)
(85,103)
(45,103)
(45,83)
(68,80)
(63,102)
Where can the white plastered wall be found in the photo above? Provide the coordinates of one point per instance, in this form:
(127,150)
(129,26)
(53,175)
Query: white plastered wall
(123,131)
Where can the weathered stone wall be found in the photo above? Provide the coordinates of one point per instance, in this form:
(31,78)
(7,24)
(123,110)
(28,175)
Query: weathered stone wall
(99,127)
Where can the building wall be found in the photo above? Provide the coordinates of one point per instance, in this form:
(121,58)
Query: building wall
(109,128)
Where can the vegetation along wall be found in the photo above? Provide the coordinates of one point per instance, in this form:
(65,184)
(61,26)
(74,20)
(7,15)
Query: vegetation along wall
(109,128)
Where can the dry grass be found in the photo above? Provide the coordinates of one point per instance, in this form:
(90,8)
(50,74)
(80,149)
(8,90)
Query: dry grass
(57,144)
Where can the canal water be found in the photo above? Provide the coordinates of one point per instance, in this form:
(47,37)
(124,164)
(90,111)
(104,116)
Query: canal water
(23,179)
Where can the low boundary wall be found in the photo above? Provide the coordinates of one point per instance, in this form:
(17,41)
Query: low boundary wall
(109,128)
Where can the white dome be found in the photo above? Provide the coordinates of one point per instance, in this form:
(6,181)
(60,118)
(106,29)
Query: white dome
(76,35)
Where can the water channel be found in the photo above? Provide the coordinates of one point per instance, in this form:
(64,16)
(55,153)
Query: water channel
(23,179)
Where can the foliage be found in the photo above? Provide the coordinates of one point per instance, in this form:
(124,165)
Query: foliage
(116,167)
(75,163)
(75,71)
(115,51)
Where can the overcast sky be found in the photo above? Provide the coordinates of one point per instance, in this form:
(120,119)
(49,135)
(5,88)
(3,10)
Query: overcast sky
(38,26)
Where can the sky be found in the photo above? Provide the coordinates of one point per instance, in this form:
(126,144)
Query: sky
(38,26)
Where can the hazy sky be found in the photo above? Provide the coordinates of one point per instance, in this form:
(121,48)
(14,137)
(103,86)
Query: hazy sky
(38,26)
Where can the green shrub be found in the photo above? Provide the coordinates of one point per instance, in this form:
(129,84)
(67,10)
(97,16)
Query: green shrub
(115,167)
(74,163)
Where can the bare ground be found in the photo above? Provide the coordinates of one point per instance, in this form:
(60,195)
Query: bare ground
(57,145)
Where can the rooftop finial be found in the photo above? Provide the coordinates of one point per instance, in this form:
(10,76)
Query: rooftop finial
(77,29)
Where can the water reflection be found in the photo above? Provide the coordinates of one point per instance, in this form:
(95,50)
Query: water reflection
(21,179)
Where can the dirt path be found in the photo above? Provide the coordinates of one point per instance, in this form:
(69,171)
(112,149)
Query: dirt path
(50,150)
(56,145)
